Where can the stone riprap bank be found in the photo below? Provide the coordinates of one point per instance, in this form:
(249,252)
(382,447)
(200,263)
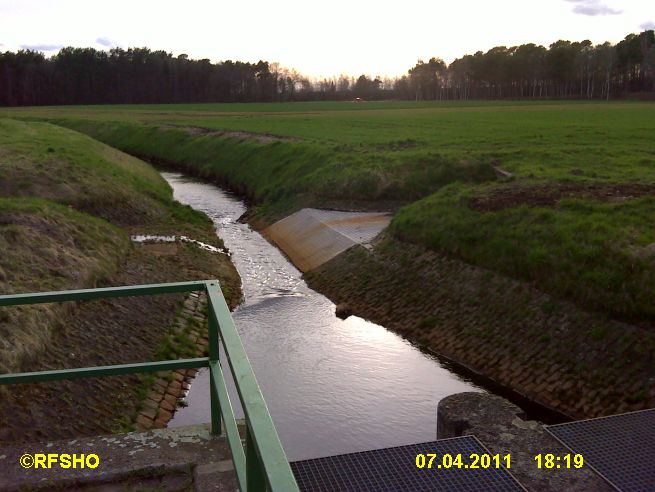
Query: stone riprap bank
(545,349)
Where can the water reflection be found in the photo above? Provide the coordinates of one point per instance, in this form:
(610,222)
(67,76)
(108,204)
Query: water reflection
(332,386)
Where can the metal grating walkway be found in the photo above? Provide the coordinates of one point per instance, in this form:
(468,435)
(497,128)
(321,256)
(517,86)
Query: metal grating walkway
(394,469)
(620,448)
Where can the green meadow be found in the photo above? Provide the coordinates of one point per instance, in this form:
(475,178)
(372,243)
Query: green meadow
(554,193)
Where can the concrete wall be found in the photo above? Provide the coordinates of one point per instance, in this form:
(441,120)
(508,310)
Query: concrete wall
(310,237)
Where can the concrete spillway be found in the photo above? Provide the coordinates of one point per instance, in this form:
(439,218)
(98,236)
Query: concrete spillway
(310,237)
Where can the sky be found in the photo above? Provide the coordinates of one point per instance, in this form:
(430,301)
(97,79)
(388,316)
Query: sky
(317,38)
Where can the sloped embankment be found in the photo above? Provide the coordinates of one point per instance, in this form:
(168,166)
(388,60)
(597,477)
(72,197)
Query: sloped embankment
(67,208)
(47,246)
(285,174)
(547,350)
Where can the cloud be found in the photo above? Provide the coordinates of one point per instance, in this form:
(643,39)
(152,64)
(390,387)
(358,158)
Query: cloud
(646,26)
(105,41)
(593,8)
(42,47)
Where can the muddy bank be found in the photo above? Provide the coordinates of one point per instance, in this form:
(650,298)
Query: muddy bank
(549,351)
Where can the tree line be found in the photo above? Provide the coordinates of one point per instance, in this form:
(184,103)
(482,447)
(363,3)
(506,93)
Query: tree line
(564,70)
(139,75)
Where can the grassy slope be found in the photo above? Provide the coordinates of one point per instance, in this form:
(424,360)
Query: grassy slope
(289,173)
(56,187)
(593,252)
(50,162)
(584,250)
(47,246)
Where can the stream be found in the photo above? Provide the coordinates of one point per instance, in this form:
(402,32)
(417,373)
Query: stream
(332,386)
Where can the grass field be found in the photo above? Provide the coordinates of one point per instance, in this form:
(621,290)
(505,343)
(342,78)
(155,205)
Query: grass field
(575,217)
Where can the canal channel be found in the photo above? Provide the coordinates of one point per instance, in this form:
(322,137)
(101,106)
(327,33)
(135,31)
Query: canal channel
(332,386)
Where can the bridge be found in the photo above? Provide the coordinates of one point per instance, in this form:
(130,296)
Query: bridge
(227,454)
(259,465)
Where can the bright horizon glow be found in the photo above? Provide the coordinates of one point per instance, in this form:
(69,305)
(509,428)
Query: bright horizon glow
(317,39)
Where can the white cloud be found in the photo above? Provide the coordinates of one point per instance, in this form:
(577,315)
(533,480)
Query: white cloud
(647,26)
(42,47)
(593,8)
(106,42)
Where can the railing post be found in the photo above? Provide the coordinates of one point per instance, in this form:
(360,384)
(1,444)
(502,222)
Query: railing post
(214,356)
(255,479)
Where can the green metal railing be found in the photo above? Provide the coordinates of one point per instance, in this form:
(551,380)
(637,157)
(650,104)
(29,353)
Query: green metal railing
(263,464)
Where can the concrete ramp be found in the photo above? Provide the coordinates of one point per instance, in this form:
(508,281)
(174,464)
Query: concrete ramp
(310,237)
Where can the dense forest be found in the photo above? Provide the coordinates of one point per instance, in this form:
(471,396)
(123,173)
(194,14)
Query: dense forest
(138,75)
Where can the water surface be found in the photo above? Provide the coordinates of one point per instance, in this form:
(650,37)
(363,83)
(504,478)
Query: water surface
(332,386)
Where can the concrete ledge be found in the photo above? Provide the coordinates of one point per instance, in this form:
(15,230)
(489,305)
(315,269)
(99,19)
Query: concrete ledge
(183,458)
(310,237)
(500,426)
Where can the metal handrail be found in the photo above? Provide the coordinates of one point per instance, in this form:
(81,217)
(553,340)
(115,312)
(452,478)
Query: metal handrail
(263,465)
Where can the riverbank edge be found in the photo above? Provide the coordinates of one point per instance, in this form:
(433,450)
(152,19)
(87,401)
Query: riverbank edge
(168,389)
(527,345)
(327,279)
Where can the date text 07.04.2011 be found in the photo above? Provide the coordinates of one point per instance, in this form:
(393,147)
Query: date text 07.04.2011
(432,461)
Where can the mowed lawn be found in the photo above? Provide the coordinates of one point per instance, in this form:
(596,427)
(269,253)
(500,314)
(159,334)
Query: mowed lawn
(576,217)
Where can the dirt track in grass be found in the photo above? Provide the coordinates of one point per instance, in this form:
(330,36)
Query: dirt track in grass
(549,195)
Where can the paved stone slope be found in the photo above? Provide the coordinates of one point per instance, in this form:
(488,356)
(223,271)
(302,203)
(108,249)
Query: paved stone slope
(170,387)
(105,332)
(548,350)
